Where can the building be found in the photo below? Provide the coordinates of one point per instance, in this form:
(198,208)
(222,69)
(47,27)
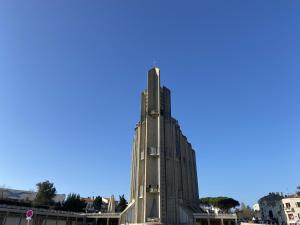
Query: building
(290,206)
(89,204)
(256,210)
(164,185)
(282,210)
(269,206)
(108,204)
(255,207)
(21,195)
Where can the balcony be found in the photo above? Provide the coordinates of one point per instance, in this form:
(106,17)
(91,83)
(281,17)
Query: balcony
(154,113)
(290,209)
(153,190)
(152,219)
(153,151)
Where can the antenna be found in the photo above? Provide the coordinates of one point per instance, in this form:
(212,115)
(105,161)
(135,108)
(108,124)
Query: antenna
(154,63)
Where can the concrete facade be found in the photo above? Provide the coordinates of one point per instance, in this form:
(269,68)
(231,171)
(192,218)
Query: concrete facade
(164,186)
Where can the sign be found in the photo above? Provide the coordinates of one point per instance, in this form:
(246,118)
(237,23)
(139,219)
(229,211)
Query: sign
(29,214)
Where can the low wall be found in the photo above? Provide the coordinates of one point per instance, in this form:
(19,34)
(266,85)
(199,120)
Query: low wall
(242,223)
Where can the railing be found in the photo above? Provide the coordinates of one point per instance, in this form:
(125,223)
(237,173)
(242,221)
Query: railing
(289,209)
(152,219)
(153,151)
(153,190)
(216,216)
(101,215)
(154,113)
(37,210)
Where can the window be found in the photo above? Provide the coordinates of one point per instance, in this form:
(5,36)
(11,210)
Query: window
(141,191)
(288,205)
(298,205)
(271,214)
(142,155)
(291,216)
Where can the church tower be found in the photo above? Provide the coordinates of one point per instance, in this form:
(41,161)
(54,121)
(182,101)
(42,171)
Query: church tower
(164,187)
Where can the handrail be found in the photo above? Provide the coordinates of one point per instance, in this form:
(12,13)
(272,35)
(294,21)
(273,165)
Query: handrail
(232,215)
(37,209)
(103,214)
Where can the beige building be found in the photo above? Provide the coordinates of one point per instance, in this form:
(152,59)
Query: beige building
(290,210)
(281,210)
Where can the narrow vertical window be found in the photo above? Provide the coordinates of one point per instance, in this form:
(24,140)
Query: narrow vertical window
(142,155)
(141,191)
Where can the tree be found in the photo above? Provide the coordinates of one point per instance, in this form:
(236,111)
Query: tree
(45,194)
(223,203)
(227,203)
(298,190)
(122,203)
(245,213)
(74,203)
(97,203)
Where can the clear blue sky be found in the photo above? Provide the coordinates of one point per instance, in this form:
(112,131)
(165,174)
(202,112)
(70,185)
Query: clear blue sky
(71,74)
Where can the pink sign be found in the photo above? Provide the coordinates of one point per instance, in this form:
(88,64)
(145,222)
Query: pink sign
(29,213)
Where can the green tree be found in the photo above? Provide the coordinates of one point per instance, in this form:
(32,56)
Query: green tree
(298,190)
(74,203)
(223,203)
(228,203)
(245,213)
(97,203)
(45,194)
(122,203)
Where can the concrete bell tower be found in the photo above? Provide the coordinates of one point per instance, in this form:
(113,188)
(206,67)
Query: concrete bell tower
(164,187)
